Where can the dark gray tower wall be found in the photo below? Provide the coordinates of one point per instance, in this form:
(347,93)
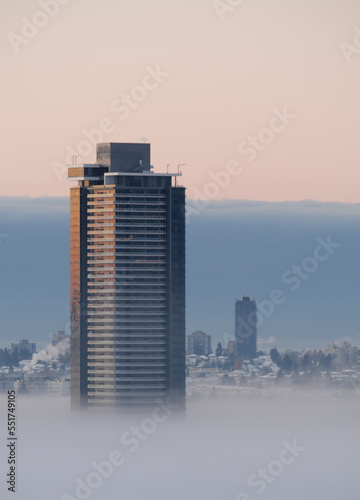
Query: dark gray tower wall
(245,328)
(176,266)
(124,157)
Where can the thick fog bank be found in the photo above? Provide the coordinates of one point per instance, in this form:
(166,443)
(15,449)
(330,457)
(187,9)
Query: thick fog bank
(280,447)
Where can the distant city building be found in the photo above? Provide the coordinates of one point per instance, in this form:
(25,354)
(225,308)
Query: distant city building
(245,328)
(230,350)
(7,380)
(58,337)
(44,387)
(198,343)
(24,346)
(5,357)
(343,354)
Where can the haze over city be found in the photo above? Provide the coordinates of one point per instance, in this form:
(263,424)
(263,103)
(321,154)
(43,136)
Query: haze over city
(233,249)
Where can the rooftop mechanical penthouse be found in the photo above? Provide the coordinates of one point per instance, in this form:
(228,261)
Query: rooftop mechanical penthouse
(127,281)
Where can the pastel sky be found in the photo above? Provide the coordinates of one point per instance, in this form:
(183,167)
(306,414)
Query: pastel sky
(227,73)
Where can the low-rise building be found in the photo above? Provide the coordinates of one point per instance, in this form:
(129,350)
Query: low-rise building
(198,343)
(23,346)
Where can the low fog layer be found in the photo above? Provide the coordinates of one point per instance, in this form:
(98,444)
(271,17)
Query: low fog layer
(306,443)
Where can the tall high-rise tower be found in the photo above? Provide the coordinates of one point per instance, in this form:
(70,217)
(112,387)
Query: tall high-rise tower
(127,281)
(245,328)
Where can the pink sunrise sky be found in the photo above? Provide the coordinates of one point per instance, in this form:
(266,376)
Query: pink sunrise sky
(229,69)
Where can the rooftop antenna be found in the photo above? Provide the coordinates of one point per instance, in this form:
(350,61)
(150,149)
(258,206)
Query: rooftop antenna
(167,168)
(181,165)
(75,157)
(179,171)
(139,166)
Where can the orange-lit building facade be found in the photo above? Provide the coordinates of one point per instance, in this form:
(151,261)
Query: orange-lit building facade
(127,281)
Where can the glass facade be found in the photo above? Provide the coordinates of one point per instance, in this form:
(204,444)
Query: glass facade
(128,291)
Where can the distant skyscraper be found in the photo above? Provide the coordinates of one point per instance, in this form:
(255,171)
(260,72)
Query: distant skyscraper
(198,343)
(23,347)
(127,281)
(58,337)
(230,349)
(245,328)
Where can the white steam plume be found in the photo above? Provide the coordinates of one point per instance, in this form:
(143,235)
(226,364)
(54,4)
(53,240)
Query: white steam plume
(51,354)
